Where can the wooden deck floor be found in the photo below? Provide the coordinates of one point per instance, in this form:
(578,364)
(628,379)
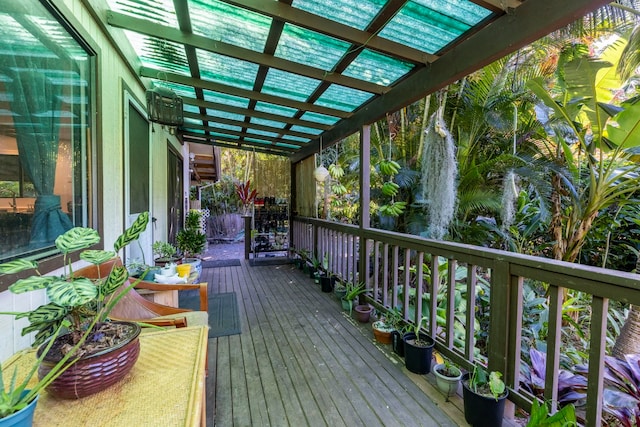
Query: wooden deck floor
(301,361)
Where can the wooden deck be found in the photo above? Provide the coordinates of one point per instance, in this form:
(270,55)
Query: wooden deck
(300,360)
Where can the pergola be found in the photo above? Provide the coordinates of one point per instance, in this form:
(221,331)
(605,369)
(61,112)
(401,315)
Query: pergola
(282,77)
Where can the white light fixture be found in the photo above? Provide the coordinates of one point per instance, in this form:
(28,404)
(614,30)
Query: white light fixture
(321,173)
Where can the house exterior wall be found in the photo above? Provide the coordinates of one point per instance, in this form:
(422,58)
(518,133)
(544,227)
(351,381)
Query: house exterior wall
(112,78)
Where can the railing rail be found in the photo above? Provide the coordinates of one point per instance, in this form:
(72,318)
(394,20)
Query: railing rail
(395,263)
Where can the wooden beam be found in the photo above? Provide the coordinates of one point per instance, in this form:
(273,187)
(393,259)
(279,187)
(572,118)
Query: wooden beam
(243,93)
(238,145)
(281,11)
(226,133)
(278,131)
(533,20)
(144,26)
(253,113)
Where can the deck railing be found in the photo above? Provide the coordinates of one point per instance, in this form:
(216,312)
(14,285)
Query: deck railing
(395,262)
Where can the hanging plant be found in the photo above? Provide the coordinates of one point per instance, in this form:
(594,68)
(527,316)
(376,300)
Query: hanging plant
(439,173)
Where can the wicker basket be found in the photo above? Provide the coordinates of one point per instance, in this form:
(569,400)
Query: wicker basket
(97,371)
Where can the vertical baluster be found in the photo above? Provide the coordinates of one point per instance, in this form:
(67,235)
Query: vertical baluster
(597,340)
(385,274)
(514,353)
(419,286)
(394,269)
(407,279)
(451,297)
(433,300)
(469,341)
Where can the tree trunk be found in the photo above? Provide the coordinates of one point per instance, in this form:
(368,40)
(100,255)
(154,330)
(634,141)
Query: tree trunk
(628,342)
(560,245)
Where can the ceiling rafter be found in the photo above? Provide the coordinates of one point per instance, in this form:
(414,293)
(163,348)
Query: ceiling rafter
(279,10)
(243,93)
(272,141)
(254,113)
(164,32)
(228,144)
(231,122)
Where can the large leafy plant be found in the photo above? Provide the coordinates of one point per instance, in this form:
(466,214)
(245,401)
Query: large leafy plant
(76,300)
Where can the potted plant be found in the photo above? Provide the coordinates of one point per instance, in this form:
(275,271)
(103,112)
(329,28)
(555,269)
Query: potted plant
(110,348)
(484,398)
(352,291)
(18,398)
(363,312)
(165,253)
(418,348)
(314,271)
(191,241)
(246,196)
(382,331)
(340,290)
(448,377)
(394,319)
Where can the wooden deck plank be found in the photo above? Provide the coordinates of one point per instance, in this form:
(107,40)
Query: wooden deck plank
(301,361)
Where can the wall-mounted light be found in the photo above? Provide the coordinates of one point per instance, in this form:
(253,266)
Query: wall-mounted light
(164,106)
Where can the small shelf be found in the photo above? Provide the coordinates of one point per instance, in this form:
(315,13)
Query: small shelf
(270,228)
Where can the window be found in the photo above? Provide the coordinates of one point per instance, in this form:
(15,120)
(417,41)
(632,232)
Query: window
(45,111)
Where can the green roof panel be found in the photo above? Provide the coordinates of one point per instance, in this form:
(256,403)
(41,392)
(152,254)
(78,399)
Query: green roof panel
(227,71)
(265,122)
(377,68)
(289,85)
(280,110)
(224,98)
(157,11)
(159,54)
(343,98)
(230,24)
(310,48)
(319,118)
(430,25)
(355,14)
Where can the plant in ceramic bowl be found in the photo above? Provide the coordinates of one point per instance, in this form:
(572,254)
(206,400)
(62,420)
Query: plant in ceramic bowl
(82,303)
(382,331)
(448,377)
(165,253)
(192,241)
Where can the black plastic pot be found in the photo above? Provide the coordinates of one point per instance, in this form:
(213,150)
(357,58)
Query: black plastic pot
(417,359)
(326,282)
(482,411)
(397,343)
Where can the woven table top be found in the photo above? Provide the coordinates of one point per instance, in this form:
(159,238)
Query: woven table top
(166,387)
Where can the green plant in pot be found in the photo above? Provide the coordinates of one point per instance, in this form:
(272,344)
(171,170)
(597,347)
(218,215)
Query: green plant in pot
(83,304)
(418,348)
(448,377)
(353,291)
(18,398)
(165,253)
(382,331)
(484,397)
(192,241)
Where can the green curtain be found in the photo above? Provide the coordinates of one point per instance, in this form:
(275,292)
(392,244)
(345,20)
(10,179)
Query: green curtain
(36,102)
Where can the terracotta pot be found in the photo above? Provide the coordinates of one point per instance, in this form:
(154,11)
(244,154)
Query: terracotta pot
(363,312)
(94,372)
(383,337)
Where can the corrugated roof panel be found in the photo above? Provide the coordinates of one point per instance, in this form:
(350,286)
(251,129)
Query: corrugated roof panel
(180,90)
(377,68)
(355,14)
(158,11)
(262,132)
(159,54)
(319,118)
(295,138)
(281,144)
(305,129)
(310,48)
(223,98)
(189,121)
(265,122)
(343,98)
(227,127)
(191,109)
(429,25)
(225,70)
(289,85)
(225,115)
(230,24)
(281,110)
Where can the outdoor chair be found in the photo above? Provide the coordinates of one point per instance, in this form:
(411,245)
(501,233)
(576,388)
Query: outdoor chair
(133,307)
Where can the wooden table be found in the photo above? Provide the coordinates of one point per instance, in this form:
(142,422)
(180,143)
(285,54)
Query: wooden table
(168,297)
(166,387)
